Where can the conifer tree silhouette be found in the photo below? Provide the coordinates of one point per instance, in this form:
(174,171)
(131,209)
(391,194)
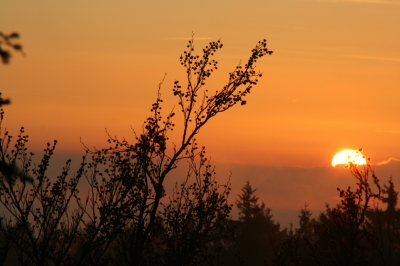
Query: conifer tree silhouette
(247,203)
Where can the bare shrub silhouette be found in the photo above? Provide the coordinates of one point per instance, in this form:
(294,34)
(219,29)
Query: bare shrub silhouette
(36,222)
(8,41)
(122,219)
(342,233)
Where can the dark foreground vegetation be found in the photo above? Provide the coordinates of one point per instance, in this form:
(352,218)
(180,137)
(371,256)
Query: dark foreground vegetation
(126,217)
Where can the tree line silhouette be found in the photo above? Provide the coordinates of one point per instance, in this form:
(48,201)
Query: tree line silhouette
(127,217)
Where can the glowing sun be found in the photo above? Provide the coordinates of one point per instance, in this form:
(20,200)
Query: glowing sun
(348,156)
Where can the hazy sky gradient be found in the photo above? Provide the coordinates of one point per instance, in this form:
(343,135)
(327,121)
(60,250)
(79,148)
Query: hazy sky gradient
(332,82)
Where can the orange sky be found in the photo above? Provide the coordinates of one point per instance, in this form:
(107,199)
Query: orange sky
(332,83)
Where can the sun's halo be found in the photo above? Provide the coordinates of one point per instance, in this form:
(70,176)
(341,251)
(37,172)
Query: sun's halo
(348,156)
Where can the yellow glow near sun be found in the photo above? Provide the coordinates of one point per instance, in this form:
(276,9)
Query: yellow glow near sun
(348,156)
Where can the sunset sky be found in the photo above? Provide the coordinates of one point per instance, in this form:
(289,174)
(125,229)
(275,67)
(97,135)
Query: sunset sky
(333,81)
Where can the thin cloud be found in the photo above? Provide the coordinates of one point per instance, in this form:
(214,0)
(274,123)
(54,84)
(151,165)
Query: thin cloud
(188,38)
(293,100)
(376,2)
(385,2)
(387,161)
(289,27)
(387,131)
(309,60)
(375,58)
